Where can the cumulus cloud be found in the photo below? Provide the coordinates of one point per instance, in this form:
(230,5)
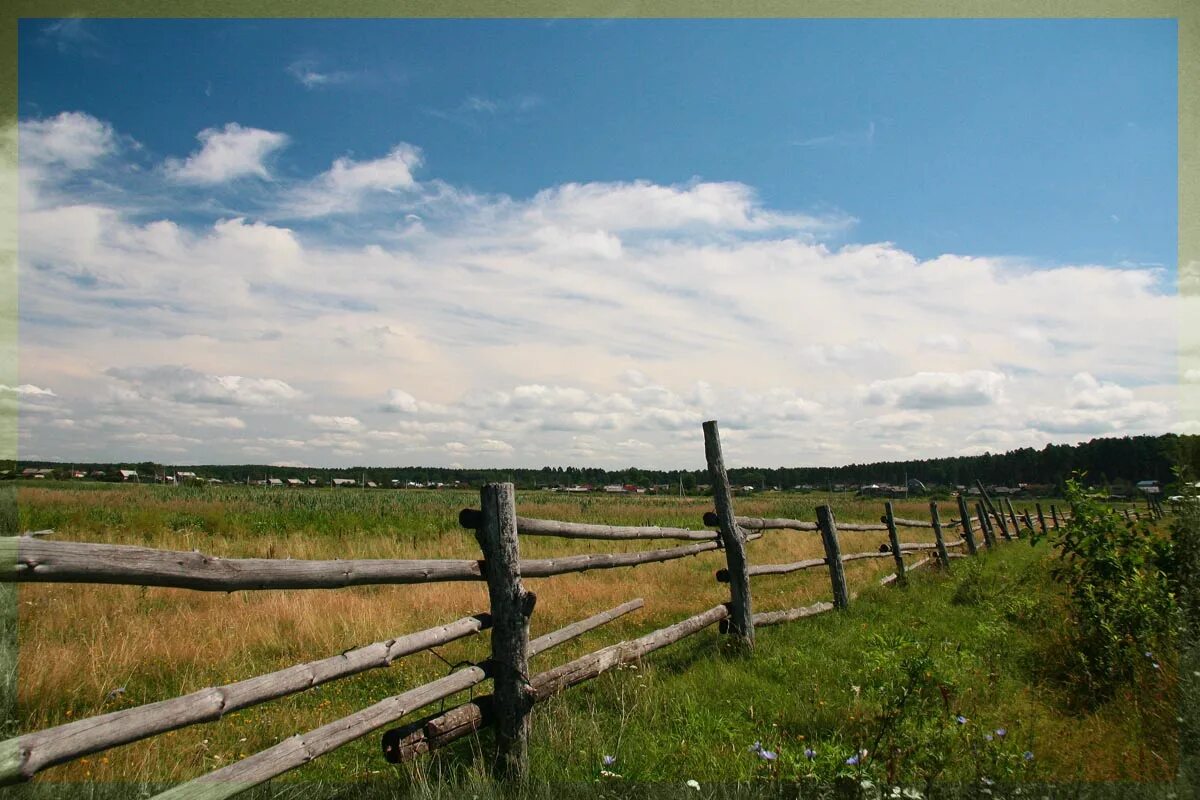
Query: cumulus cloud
(938,389)
(184,385)
(26,390)
(562,325)
(342,188)
(72,139)
(226,154)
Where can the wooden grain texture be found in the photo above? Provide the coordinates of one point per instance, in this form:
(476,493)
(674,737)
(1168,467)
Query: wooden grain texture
(741,615)
(965,519)
(761,524)
(833,555)
(991,507)
(790,615)
(24,559)
(57,745)
(985,525)
(889,579)
(908,523)
(511,606)
(939,540)
(527,526)
(889,519)
(302,748)
(441,729)
(1012,514)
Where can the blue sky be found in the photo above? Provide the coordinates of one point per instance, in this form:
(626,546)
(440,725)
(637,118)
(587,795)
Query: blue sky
(371,179)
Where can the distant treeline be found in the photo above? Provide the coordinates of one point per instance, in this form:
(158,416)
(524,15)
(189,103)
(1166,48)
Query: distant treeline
(1114,462)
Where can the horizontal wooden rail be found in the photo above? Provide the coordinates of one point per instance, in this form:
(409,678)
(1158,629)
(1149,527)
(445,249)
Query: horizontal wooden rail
(24,756)
(759,524)
(907,523)
(438,730)
(469,518)
(32,560)
(812,563)
(302,748)
(888,579)
(23,559)
(791,614)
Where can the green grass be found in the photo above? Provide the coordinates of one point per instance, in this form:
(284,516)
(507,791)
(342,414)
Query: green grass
(988,630)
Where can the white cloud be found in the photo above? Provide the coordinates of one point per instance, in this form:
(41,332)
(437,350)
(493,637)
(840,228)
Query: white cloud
(335,423)
(307,73)
(72,139)
(342,188)
(184,385)
(938,390)
(26,390)
(226,154)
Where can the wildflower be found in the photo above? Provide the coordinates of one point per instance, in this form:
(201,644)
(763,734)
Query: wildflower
(961,719)
(1001,732)
(987,737)
(694,785)
(1027,755)
(852,760)
(809,753)
(608,761)
(765,755)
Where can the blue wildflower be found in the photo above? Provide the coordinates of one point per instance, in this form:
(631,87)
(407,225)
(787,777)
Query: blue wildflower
(987,737)
(961,719)
(1001,732)
(809,753)
(765,755)
(608,761)
(1028,755)
(853,760)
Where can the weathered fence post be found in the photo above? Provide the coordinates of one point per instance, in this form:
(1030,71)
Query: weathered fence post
(1042,519)
(511,608)
(1013,514)
(1028,520)
(1054,515)
(987,501)
(889,517)
(1127,517)
(943,554)
(965,516)
(741,620)
(833,556)
(985,525)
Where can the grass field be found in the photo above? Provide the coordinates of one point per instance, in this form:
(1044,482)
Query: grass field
(986,633)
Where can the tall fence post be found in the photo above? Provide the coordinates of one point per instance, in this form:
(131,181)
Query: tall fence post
(1041,519)
(985,525)
(1012,513)
(833,556)
(1054,515)
(511,609)
(987,501)
(965,516)
(943,554)
(741,620)
(889,518)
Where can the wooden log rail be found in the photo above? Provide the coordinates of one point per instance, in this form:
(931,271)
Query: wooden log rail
(760,524)
(722,575)
(24,756)
(440,729)
(302,748)
(32,560)
(527,526)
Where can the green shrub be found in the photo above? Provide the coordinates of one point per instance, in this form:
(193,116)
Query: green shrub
(1119,581)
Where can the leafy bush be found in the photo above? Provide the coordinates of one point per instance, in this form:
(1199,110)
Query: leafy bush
(1120,578)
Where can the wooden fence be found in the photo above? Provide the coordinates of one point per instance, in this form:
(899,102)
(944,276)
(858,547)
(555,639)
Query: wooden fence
(497,528)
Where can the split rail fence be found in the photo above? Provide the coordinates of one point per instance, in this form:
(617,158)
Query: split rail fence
(506,710)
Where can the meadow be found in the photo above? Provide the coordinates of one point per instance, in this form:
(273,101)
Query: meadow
(982,639)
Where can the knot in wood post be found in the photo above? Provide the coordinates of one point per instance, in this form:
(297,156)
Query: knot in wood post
(741,620)
(833,556)
(511,609)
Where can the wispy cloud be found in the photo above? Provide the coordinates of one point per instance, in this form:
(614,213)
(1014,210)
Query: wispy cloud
(474,109)
(226,154)
(73,35)
(856,138)
(308,73)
